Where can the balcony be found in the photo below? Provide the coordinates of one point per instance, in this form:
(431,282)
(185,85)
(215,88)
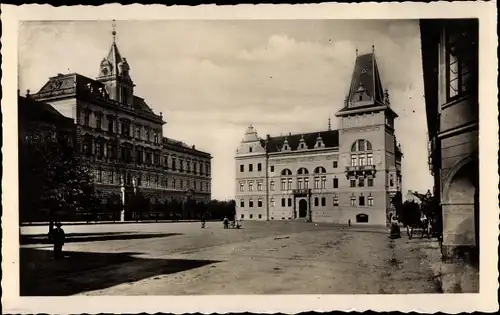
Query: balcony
(301,192)
(361,170)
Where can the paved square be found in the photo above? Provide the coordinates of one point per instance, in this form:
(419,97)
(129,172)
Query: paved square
(261,258)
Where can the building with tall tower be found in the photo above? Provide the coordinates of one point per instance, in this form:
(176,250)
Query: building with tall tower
(345,175)
(123,137)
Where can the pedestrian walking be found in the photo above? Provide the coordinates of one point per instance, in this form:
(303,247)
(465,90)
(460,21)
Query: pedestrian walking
(226,223)
(395,230)
(58,237)
(349,222)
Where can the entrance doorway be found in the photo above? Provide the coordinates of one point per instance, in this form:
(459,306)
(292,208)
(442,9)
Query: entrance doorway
(302,208)
(362,218)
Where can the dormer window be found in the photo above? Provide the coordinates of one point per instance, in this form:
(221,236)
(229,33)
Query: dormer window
(286,146)
(319,143)
(302,143)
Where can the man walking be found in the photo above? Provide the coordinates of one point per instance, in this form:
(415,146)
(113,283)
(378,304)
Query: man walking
(58,237)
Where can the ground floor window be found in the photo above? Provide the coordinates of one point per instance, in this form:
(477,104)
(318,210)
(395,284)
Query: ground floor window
(242,216)
(251,216)
(260,216)
(361,218)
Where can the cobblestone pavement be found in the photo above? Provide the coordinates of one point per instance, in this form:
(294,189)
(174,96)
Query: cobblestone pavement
(261,258)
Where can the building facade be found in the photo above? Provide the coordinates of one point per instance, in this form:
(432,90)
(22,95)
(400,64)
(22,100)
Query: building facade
(450,68)
(123,137)
(345,175)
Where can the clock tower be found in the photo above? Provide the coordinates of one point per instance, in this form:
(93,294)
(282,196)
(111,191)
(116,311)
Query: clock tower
(114,73)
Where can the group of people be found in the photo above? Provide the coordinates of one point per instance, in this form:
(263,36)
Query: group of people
(425,224)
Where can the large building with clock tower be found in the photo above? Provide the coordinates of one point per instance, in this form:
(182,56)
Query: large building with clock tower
(123,137)
(343,176)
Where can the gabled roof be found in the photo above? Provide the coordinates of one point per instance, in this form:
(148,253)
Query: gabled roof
(330,139)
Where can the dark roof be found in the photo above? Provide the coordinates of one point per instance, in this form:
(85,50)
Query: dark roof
(366,73)
(30,110)
(180,146)
(330,139)
(77,84)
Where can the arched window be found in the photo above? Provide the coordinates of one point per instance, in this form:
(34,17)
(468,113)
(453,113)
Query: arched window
(286,172)
(319,170)
(361,146)
(302,171)
(362,218)
(361,153)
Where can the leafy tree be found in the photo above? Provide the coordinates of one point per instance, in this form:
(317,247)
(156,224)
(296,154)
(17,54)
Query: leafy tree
(53,177)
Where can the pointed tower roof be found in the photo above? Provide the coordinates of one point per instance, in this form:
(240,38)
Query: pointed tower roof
(366,90)
(114,65)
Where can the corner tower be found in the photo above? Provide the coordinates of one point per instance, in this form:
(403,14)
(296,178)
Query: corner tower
(114,73)
(367,145)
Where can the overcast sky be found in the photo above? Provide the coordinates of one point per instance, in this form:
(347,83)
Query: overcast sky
(211,79)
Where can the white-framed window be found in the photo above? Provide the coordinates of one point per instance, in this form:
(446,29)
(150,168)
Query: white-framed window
(250,186)
(316,182)
(369,159)
(242,203)
(272,185)
(299,183)
(250,203)
(323,182)
(259,186)
(283,184)
(273,202)
(369,182)
(259,203)
(354,160)
(361,158)
(335,201)
(353,201)
(242,186)
(370,200)
(289,182)
(306,183)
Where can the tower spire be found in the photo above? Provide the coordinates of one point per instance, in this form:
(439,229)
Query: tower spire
(114,31)
(329,122)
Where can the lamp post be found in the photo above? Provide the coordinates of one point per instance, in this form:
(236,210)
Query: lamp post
(122,189)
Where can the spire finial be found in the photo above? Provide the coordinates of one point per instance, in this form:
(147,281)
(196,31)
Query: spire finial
(356,52)
(329,122)
(373,48)
(114,30)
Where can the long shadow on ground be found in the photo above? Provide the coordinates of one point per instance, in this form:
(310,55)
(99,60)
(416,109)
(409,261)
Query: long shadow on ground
(91,237)
(41,275)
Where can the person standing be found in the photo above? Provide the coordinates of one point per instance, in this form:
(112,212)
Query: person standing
(58,237)
(226,223)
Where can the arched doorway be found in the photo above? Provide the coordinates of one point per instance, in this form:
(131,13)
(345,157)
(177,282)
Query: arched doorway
(361,218)
(302,208)
(462,206)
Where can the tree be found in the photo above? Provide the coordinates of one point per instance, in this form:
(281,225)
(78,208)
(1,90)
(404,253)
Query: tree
(53,177)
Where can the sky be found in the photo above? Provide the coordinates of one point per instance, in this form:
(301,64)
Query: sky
(213,78)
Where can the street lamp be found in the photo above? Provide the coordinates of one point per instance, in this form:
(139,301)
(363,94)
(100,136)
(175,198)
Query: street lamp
(122,190)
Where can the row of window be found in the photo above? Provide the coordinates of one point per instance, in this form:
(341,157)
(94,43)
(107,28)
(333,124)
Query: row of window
(303,183)
(110,177)
(287,202)
(142,156)
(286,171)
(362,159)
(139,132)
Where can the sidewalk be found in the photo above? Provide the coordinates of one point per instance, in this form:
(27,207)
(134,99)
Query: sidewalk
(454,277)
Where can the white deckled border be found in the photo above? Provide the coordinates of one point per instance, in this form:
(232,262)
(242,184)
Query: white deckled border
(485,301)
